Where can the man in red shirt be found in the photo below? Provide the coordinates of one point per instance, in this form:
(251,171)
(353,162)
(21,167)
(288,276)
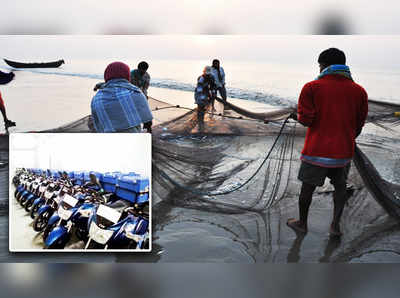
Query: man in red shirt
(334,109)
(7,122)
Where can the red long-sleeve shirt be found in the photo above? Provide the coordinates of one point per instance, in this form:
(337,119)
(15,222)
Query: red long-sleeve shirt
(1,102)
(334,108)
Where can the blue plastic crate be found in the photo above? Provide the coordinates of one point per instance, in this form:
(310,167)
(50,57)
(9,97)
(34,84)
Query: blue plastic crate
(71,175)
(86,177)
(78,176)
(110,181)
(98,175)
(55,174)
(142,198)
(133,188)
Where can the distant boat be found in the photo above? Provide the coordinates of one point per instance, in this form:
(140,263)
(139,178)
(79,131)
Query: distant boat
(53,64)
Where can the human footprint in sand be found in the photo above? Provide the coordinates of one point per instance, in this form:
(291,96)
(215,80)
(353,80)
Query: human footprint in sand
(7,122)
(334,109)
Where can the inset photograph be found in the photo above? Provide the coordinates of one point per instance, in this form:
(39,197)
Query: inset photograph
(80,192)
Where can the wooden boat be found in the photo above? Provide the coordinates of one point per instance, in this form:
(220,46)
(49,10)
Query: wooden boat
(53,64)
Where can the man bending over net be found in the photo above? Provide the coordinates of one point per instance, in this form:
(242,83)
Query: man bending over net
(204,94)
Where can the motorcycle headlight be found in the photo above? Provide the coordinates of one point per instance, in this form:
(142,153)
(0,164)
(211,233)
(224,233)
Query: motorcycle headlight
(85,212)
(99,235)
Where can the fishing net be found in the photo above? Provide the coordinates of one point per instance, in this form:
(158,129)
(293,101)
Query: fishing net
(241,164)
(239,175)
(246,161)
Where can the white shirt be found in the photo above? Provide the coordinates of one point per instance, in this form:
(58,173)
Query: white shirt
(218,82)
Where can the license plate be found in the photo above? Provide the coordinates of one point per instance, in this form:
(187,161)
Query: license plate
(70,200)
(64,214)
(108,213)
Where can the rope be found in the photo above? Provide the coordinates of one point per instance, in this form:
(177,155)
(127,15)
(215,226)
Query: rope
(202,193)
(210,113)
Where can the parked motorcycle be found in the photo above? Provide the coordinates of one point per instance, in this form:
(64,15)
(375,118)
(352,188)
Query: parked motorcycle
(47,209)
(111,228)
(42,195)
(72,215)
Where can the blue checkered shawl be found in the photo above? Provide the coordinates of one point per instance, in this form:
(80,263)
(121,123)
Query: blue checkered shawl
(118,106)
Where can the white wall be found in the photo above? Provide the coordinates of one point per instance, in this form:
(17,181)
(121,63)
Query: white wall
(75,152)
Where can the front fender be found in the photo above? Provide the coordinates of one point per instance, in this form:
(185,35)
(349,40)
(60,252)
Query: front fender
(31,197)
(43,209)
(25,194)
(37,201)
(53,219)
(141,227)
(59,234)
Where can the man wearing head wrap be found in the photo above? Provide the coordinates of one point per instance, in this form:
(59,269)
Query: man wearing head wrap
(334,109)
(204,94)
(118,106)
(140,77)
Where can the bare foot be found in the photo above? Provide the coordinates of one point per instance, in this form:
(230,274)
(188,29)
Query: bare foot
(296,225)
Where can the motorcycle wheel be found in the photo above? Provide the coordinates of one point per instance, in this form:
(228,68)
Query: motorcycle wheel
(47,230)
(41,221)
(82,235)
(56,245)
(132,245)
(18,196)
(22,200)
(145,244)
(95,245)
(35,209)
(28,205)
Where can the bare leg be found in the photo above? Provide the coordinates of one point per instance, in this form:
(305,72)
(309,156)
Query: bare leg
(200,116)
(339,200)
(222,92)
(3,112)
(305,200)
(7,122)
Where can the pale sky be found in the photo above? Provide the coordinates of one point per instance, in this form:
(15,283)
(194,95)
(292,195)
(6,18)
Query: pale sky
(196,16)
(378,52)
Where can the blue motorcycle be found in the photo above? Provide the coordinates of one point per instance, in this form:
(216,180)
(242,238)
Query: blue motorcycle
(23,188)
(45,191)
(113,228)
(73,213)
(34,194)
(57,232)
(52,196)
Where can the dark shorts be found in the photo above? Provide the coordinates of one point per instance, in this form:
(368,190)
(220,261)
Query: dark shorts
(315,175)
